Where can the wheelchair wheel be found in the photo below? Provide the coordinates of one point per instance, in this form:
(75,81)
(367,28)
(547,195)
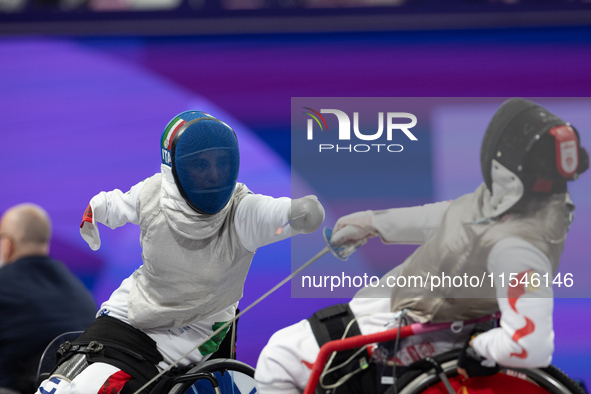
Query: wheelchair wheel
(49,356)
(509,380)
(233,377)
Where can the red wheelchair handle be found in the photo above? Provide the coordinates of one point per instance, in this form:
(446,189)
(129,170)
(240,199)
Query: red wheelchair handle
(361,340)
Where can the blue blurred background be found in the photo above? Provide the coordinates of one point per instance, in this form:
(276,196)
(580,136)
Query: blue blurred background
(86,88)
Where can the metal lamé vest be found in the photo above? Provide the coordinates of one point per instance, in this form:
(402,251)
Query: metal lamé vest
(461,246)
(186,276)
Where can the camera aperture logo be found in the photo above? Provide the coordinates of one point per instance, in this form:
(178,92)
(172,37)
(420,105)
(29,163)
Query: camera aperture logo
(344,132)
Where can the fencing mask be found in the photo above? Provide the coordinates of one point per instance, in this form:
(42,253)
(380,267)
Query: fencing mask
(528,150)
(203,154)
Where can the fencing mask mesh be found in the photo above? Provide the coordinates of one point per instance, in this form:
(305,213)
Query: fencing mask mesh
(203,153)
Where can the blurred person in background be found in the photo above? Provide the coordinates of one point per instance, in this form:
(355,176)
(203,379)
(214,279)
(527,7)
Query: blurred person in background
(39,297)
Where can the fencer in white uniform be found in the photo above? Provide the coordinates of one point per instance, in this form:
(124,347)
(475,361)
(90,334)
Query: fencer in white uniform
(200,230)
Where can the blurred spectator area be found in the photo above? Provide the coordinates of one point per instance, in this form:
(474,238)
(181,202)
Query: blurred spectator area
(190,17)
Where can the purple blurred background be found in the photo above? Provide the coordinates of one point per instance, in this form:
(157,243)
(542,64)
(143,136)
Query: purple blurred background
(84,115)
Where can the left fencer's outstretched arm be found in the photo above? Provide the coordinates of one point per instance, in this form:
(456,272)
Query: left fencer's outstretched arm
(259,217)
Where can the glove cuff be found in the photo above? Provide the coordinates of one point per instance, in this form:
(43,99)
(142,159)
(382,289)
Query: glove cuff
(87,217)
(89,230)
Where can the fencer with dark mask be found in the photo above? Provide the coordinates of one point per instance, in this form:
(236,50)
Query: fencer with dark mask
(514,224)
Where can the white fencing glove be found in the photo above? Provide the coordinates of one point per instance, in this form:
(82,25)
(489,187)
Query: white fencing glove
(353,228)
(89,230)
(306,214)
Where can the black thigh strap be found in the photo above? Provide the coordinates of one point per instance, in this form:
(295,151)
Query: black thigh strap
(111,341)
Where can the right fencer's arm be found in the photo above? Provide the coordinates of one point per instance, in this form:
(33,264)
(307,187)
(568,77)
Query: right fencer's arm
(113,209)
(259,218)
(396,225)
(409,225)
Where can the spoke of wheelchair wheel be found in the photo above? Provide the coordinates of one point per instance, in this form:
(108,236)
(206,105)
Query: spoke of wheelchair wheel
(446,383)
(268,293)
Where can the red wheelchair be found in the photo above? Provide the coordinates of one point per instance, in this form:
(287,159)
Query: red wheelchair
(438,375)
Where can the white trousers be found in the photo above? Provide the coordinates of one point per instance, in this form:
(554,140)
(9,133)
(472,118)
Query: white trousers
(97,378)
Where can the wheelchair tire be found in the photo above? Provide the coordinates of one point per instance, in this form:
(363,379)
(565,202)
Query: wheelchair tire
(550,379)
(221,366)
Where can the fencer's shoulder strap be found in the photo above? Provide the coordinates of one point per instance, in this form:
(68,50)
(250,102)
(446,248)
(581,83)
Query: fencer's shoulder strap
(330,323)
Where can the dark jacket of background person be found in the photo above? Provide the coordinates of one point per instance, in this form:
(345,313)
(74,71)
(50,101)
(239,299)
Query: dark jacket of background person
(39,300)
